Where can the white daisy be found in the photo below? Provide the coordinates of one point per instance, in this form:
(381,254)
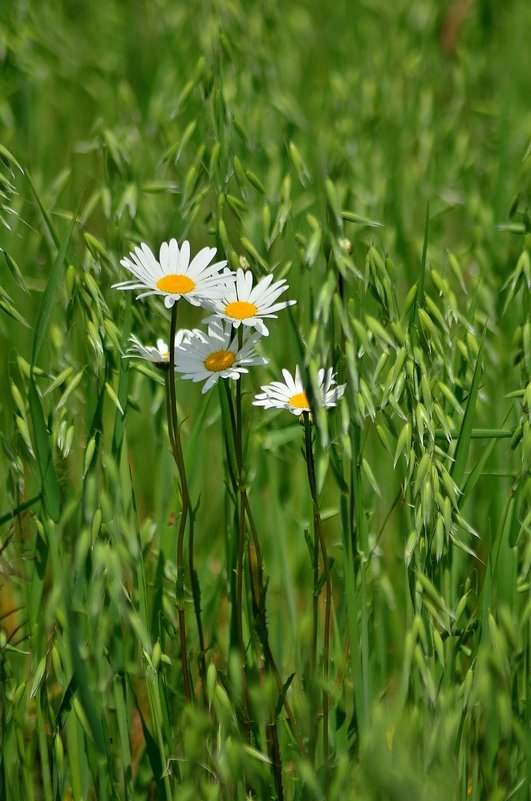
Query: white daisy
(291,394)
(243,305)
(209,356)
(159,355)
(174,276)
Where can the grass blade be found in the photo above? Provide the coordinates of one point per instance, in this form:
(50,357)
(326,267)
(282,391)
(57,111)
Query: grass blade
(47,303)
(51,494)
(465,432)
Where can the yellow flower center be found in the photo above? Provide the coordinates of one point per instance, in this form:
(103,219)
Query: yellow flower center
(165,354)
(175,284)
(219,360)
(299,401)
(240,309)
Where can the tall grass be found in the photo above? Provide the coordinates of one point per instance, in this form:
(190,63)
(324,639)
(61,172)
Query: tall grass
(363,577)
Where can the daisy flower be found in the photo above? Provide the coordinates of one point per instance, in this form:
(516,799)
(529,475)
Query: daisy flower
(159,355)
(174,276)
(292,396)
(243,305)
(209,356)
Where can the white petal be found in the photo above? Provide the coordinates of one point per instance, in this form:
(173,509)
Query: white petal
(184,258)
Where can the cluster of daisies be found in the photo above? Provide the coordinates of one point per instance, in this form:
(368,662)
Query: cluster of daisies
(238,310)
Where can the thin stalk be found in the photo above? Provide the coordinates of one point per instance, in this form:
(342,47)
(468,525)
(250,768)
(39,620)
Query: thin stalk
(238,447)
(276,758)
(168,411)
(263,633)
(315,595)
(43,751)
(258,592)
(175,439)
(320,543)
(360,546)
(236,425)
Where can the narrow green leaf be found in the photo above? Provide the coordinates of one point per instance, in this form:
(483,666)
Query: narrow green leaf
(477,471)
(114,397)
(352,217)
(333,202)
(15,270)
(255,181)
(43,211)
(419,294)
(51,495)
(81,678)
(66,704)
(8,306)
(19,509)
(39,676)
(123,383)
(465,432)
(48,299)
(9,159)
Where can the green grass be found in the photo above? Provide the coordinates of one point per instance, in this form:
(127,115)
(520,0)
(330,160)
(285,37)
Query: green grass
(376,155)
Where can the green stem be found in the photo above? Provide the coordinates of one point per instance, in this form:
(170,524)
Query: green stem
(179,459)
(236,424)
(259,594)
(258,608)
(263,633)
(175,440)
(320,543)
(238,445)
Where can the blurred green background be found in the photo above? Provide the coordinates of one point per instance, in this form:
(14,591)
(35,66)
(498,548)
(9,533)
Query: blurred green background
(227,123)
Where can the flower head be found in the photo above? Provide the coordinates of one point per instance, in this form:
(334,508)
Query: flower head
(292,396)
(174,276)
(241,304)
(159,355)
(216,354)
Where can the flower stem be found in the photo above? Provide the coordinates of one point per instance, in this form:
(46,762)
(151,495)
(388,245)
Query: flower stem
(320,544)
(241,534)
(260,612)
(175,441)
(257,591)
(240,495)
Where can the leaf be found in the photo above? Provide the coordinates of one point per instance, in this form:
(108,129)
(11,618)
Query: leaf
(81,678)
(352,217)
(66,704)
(255,181)
(465,432)
(477,472)
(123,384)
(39,676)
(19,509)
(9,159)
(43,211)
(6,303)
(419,294)
(15,270)
(48,299)
(51,495)
(114,397)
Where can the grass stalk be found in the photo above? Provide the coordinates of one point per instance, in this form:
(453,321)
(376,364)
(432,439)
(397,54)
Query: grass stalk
(235,416)
(320,545)
(173,426)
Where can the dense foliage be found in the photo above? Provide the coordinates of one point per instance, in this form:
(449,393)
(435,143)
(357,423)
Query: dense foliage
(378,156)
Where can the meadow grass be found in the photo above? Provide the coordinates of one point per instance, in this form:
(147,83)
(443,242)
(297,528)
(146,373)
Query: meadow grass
(361,577)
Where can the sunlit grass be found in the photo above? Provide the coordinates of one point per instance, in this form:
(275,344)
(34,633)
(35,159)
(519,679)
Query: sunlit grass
(378,159)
